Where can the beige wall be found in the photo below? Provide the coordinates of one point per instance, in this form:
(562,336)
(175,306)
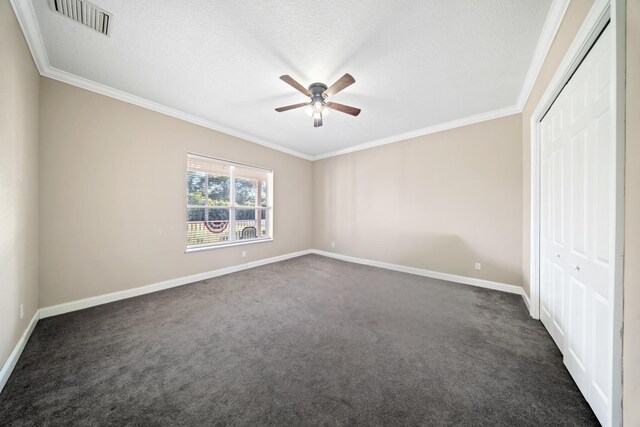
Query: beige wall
(112,196)
(631,354)
(573,19)
(18,182)
(439,202)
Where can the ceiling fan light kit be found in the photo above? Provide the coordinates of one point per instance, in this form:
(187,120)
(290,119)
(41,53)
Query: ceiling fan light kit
(318,106)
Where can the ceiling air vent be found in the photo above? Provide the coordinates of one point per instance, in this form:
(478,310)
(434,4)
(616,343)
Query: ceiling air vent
(85,13)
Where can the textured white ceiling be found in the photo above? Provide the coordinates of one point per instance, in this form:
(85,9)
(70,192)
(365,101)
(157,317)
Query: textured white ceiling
(417,63)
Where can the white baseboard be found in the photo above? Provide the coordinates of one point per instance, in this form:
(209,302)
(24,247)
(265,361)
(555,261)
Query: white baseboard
(527,302)
(129,293)
(67,307)
(7,369)
(504,287)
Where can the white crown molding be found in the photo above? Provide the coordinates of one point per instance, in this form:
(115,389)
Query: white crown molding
(549,31)
(72,79)
(11,362)
(491,115)
(29,24)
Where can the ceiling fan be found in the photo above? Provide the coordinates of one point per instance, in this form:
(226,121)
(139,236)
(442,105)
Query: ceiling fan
(318,92)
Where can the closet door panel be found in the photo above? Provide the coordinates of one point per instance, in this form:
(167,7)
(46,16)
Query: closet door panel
(577,228)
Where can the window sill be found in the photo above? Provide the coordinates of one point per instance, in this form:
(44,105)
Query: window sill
(227,245)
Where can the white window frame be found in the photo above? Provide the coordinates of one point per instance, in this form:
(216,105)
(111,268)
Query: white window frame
(233,240)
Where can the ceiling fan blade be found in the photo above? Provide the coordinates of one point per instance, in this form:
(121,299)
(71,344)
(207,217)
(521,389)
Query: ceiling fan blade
(297,86)
(291,107)
(342,82)
(343,108)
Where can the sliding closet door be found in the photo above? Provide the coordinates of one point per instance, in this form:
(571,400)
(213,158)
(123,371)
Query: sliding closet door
(577,196)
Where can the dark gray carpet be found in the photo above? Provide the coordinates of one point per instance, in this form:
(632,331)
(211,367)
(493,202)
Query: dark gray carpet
(309,341)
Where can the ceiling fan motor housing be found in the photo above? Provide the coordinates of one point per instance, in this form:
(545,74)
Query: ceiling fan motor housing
(316,90)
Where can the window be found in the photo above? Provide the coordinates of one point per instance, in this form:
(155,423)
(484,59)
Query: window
(227,203)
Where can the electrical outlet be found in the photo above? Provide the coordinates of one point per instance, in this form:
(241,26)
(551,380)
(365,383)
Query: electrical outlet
(22,311)
(244,254)
(333,245)
(478,266)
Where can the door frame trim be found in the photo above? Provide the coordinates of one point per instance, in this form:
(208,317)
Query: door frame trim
(603,11)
